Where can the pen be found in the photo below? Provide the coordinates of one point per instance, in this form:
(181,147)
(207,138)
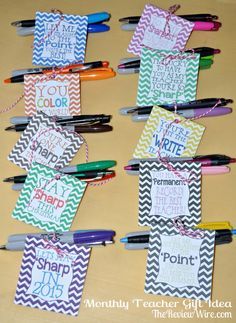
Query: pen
(79,175)
(205,160)
(94,128)
(85,75)
(93,18)
(196,104)
(19,186)
(221,237)
(92,28)
(70,68)
(190,113)
(191,17)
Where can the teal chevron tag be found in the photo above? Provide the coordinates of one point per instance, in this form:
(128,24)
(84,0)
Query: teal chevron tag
(49,199)
(168,190)
(180,263)
(167,77)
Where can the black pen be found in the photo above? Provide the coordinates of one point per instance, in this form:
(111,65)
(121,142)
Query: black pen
(190,17)
(85,175)
(90,128)
(221,237)
(205,160)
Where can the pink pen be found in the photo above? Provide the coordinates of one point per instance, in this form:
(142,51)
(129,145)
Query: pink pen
(215,170)
(207,25)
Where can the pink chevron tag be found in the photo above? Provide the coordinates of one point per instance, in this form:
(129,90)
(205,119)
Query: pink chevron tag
(55,96)
(151,31)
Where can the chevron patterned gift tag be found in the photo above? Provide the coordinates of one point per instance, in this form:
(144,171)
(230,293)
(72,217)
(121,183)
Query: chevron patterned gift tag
(49,199)
(45,142)
(180,265)
(157,29)
(169,190)
(55,96)
(166,77)
(59,40)
(52,276)
(175,139)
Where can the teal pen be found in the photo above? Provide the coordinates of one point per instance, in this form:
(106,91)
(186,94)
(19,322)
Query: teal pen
(96,165)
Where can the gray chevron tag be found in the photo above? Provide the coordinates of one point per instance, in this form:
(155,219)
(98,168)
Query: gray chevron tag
(169,190)
(179,265)
(46,143)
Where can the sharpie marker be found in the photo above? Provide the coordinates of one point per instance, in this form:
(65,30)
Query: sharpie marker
(92,28)
(190,113)
(93,18)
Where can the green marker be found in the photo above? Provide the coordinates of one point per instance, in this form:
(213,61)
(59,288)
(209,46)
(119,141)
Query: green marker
(205,63)
(96,165)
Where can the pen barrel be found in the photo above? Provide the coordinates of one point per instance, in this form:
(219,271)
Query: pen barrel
(139,239)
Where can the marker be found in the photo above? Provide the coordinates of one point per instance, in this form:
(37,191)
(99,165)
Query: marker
(190,113)
(71,68)
(198,25)
(93,18)
(92,28)
(205,170)
(196,104)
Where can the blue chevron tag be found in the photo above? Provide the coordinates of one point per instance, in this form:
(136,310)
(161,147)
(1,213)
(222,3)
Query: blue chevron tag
(52,276)
(169,190)
(179,265)
(166,77)
(59,40)
(49,201)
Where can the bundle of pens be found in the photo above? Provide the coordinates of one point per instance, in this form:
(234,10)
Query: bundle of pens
(91,172)
(88,238)
(188,110)
(91,71)
(132,65)
(140,239)
(203,22)
(80,124)
(95,24)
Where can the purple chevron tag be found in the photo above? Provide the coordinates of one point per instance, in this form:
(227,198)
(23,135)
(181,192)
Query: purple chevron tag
(52,276)
(179,264)
(152,32)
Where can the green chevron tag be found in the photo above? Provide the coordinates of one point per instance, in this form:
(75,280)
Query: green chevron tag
(49,199)
(180,262)
(168,190)
(167,77)
(164,136)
